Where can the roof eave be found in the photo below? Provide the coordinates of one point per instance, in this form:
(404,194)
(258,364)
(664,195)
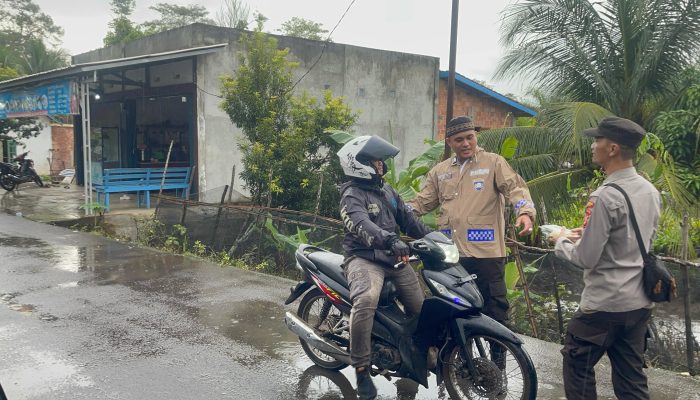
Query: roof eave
(80,69)
(468,83)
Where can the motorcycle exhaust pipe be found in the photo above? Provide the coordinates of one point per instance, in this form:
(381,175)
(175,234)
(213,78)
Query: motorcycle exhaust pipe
(304,331)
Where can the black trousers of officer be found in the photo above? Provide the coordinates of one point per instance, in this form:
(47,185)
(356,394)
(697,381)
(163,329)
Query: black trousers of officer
(491,283)
(620,334)
(490,279)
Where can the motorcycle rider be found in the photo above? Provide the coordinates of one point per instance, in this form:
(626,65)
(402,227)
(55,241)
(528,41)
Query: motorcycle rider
(373,214)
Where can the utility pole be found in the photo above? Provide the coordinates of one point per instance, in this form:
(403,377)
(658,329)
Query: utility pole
(451,76)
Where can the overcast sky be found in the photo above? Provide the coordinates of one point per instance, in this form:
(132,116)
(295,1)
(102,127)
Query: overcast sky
(412,26)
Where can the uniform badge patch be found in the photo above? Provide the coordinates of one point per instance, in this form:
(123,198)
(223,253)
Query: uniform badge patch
(445,176)
(447,232)
(587,214)
(478,184)
(481,235)
(373,209)
(524,203)
(480,171)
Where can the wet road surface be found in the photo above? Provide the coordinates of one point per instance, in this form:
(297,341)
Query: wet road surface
(83,317)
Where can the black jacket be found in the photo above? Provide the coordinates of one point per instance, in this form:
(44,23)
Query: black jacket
(373,214)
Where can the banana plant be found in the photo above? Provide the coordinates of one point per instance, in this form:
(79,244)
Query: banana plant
(292,242)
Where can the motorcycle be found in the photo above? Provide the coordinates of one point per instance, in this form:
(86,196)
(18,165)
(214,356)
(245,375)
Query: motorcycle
(474,355)
(23,171)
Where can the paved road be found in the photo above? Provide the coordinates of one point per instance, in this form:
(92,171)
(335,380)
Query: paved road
(83,317)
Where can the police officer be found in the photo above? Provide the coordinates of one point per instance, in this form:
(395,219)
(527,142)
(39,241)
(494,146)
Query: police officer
(469,189)
(374,214)
(614,310)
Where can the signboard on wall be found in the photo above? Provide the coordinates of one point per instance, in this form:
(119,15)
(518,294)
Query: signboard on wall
(58,98)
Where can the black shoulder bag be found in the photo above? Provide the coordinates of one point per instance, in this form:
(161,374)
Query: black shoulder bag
(659,283)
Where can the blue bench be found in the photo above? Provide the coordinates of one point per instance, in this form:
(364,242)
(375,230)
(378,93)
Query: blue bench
(142,181)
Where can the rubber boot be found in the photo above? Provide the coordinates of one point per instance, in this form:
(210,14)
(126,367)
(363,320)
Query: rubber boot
(365,387)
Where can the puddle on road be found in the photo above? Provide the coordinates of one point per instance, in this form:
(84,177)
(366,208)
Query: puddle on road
(315,382)
(68,258)
(41,373)
(257,323)
(17,241)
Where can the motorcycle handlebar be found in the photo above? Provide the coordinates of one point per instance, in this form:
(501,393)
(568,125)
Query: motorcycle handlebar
(411,258)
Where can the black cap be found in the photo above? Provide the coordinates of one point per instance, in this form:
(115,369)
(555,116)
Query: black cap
(619,130)
(460,124)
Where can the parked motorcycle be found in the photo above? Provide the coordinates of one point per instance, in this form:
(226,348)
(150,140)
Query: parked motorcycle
(474,355)
(23,171)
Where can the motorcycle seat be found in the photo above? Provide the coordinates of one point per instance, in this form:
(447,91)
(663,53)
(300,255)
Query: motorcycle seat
(330,264)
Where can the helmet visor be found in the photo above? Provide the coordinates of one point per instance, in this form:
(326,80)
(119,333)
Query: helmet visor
(377,148)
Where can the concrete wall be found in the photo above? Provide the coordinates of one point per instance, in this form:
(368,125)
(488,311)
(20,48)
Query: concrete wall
(39,147)
(394,93)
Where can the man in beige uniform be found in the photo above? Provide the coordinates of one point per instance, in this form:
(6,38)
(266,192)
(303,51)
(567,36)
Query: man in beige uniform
(614,310)
(470,190)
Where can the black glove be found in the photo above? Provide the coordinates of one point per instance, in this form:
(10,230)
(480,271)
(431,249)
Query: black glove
(399,248)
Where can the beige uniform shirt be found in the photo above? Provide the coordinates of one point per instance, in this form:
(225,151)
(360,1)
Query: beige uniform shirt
(608,251)
(472,201)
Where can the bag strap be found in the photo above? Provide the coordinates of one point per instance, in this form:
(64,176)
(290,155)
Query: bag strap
(642,248)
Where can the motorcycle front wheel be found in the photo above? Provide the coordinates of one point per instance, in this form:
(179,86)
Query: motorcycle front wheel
(502,370)
(7,183)
(328,322)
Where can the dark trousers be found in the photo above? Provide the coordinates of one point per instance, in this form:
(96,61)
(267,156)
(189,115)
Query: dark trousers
(491,283)
(366,279)
(590,335)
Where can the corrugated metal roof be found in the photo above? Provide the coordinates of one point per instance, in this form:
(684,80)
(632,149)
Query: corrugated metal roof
(466,82)
(82,68)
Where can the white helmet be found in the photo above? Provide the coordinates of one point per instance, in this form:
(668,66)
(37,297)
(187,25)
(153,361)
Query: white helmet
(357,154)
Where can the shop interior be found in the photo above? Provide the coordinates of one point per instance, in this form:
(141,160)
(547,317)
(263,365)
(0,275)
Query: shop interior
(137,113)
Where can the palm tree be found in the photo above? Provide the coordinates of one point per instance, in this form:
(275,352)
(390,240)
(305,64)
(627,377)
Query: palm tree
(38,58)
(625,55)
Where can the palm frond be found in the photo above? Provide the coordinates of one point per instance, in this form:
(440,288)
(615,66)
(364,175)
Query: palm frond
(569,120)
(624,55)
(557,42)
(531,140)
(552,191)
(536,165)
(668,182)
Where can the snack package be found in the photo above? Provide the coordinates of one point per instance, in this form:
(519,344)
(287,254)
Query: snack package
(549,230)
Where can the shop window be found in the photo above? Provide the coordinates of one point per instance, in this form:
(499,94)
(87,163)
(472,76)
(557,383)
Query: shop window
(9,150)
(160,121)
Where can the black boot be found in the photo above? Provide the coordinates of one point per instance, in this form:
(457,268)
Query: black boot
(365,387)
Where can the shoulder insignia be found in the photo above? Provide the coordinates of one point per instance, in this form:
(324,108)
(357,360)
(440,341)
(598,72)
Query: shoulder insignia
(587,214)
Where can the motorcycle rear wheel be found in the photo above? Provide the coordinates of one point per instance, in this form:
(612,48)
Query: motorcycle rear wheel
(321,383)
(310,310)
(510,375)
(7,183)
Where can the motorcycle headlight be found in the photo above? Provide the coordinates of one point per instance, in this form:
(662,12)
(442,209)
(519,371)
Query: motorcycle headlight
(447,294)
(451,252)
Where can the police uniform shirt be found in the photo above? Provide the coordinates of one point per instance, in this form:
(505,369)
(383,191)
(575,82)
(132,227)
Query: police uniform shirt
(608,251)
